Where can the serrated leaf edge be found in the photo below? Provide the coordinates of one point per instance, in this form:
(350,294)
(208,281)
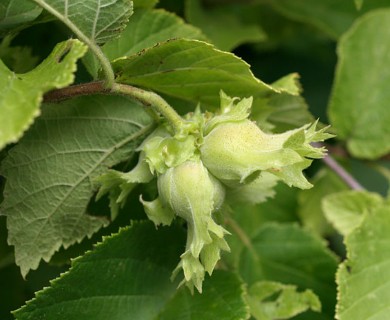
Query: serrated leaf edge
(141,132)
(75,261)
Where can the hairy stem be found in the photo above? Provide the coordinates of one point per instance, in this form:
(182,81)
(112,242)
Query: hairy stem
(155,101)
(147,98)
(83,89)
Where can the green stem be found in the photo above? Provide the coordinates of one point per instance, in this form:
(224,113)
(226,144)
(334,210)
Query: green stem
(155,101)
(105,63)
(147,98)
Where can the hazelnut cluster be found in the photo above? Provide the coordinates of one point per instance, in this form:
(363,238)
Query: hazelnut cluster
(217,154)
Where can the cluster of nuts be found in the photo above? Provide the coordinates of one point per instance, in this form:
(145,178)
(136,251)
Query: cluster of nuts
(222,153)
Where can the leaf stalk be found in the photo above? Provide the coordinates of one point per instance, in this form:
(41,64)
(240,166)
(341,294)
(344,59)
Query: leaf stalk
(155,101)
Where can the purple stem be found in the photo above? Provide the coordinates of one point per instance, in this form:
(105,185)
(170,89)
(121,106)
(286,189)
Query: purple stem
(340,171)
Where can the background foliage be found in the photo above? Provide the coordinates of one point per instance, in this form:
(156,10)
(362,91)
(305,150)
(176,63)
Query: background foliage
(304,254)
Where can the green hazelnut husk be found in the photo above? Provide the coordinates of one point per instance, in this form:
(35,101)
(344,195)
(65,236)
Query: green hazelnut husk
(193,194)
(236,152)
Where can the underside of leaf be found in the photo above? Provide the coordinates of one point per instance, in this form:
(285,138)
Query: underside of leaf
(59,158)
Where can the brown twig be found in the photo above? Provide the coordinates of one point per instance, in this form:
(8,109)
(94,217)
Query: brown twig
(83,89)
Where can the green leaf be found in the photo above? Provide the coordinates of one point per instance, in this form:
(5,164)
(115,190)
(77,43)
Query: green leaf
(213,22)
(21,94)
(364,278)
(98,21)
(144,3)
(254,192)
(188,72)
(145,29)
(16,12)
(192,71)
(359,4)
(310,212)
(280,208)
(60,157)
(287,112)
(331,16)
(6,252)
(290,255)
(346,210)
(273,301)
(17,58)
(360,93)
(122,280)
(289,84)
(222,298)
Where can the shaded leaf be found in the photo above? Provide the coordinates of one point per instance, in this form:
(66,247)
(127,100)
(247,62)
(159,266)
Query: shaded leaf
(285,253)
(144,3)
(288,112)
(98,21)
(145,29)
(333,17)
(364,278)
(310,211)
(285,111)
(21,94)
(50,173)
(346,210)
(16,12)
(360,94)
(17,58)
(213,22)
(359,4)
(273,301)
(281,208)
(14,291)
(222,298)
(254,192)
(6,252)
(122,280)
